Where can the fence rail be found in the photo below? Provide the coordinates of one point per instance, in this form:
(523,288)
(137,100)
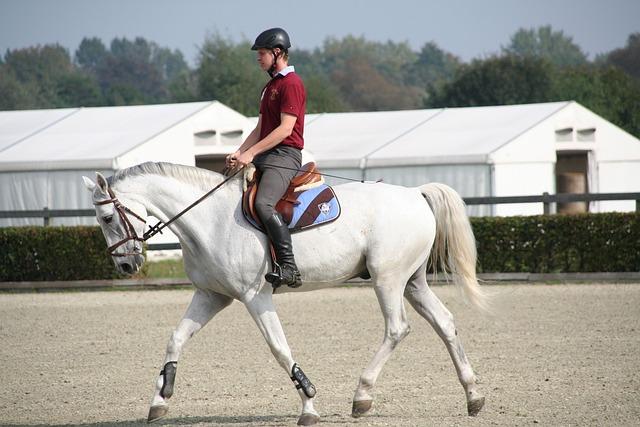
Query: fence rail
(545,198)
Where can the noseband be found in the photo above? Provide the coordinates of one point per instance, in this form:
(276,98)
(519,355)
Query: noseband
(128,227)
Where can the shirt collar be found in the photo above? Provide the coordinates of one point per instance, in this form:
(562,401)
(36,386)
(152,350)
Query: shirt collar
(287,70)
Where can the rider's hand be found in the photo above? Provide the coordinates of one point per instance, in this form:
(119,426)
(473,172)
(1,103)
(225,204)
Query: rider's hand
(230,160)
(243,159)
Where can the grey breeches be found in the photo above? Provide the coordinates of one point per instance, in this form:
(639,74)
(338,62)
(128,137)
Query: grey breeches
(275,181)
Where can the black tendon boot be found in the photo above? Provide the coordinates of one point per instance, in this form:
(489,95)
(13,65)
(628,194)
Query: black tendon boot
(286,272)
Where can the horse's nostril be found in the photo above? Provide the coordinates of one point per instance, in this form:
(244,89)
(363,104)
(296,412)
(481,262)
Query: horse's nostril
(126,267)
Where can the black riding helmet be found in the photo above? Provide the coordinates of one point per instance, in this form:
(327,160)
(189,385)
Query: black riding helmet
(271,39)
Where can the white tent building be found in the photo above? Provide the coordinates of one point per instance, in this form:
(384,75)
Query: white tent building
(45,153)
(483,151)
(480,151)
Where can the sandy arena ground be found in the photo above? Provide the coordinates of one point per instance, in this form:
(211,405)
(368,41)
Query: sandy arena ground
(552,355)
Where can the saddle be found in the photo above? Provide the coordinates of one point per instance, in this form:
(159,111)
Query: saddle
(307,202)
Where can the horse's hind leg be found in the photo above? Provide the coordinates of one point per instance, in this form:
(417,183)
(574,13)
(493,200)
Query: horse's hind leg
(427,304)
(263,312)
(204,305)
(389,295)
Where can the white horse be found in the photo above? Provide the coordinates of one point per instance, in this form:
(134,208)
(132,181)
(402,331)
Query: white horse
(384,231)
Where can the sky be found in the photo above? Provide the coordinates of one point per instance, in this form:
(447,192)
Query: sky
(467,28)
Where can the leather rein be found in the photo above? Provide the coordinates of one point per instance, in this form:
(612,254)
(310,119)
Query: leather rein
(130,230)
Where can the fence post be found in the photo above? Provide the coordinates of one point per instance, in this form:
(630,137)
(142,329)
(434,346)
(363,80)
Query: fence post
(545,203)
(45,214)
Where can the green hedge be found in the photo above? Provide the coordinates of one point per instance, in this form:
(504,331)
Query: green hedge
(54,253)
(607,242)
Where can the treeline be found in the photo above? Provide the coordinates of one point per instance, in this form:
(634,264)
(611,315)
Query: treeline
(348,74)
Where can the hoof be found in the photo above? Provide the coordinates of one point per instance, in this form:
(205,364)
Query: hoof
(474,406)
(361,407)
(157,412)
(308,419)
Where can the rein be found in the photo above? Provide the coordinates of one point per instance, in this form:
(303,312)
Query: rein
(322,174)
(160,225)
(131,234)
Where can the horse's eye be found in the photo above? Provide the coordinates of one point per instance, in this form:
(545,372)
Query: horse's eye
(107,219)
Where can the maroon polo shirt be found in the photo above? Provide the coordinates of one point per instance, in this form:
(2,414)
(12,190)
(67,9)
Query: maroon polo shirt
(284,94)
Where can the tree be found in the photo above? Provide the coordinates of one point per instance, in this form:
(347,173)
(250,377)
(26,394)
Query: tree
(547,44)
(184,87)
(371,75)
(171,64)
(135,71)
(44,77)
(496,81)
(364,88)
(127,73)
(15,95)
(228,73)
(91,54)
(628,57)
(433,66)
(608,91)
(78,90)
(322,95)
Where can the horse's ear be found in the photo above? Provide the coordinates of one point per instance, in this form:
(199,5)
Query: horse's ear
(88,183)
(102,182)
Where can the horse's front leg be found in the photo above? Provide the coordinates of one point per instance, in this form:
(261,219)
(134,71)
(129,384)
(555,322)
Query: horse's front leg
(263,312)
(204,305)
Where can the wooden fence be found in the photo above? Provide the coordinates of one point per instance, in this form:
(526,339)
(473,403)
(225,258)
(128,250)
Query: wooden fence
(545,198)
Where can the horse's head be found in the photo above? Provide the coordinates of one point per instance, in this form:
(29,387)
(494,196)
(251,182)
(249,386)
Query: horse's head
(122,223)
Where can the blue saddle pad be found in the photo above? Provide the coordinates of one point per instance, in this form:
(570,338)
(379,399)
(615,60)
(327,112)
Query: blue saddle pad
(316,206)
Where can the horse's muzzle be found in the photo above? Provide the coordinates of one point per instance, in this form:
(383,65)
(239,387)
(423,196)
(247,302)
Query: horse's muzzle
(131,265)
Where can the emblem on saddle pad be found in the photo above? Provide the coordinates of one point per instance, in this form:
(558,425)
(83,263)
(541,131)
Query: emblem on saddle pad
(324,208)
(307,203)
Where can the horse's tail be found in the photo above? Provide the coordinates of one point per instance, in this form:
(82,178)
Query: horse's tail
(454,248)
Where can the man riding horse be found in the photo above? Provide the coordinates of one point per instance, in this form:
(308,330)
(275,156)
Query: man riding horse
(274,146)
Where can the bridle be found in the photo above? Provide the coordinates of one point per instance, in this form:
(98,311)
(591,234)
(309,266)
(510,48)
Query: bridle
(129,229)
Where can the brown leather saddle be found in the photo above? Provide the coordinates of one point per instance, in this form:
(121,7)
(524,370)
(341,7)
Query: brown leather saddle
(308,177)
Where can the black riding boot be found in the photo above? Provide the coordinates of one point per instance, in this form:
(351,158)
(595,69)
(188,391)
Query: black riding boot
(286,272)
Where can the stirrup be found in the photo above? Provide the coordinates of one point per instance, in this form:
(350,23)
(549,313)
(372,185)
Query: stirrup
(274,277)
(277,279)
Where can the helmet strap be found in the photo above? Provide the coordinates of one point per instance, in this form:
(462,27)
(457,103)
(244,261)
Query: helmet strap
(272,70)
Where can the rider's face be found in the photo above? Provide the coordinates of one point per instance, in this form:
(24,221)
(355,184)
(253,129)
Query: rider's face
(265,58)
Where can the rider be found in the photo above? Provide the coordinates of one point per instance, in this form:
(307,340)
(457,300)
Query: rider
(275,145)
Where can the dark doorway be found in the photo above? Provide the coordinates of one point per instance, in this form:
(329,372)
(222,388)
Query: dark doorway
(571,177)
(213,163)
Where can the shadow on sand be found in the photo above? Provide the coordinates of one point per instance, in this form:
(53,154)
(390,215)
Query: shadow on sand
(266,420)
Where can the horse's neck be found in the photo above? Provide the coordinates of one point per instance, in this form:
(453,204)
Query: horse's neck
(165,197)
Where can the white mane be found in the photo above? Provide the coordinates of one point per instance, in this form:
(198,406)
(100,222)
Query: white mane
(201,178)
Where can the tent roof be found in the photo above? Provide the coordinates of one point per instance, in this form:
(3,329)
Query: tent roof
(451,135)
(18,125)
(37,139)
(345,138)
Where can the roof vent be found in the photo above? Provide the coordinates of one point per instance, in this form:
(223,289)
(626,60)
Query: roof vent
(564,134)
(205,137)
(587,134)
